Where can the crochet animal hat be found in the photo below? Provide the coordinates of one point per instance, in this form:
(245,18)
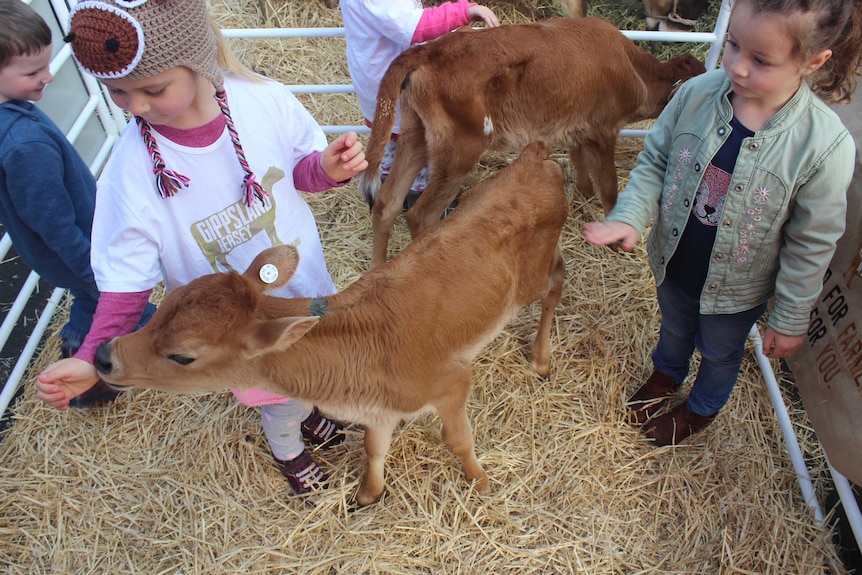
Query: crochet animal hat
(137,39)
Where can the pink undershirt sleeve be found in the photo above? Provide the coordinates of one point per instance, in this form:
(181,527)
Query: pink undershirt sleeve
(116,314)
(309,177)
(439,20)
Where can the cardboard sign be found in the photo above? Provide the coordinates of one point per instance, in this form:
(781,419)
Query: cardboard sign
(828,371)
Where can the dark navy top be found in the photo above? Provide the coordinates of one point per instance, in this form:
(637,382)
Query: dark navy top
(690,262)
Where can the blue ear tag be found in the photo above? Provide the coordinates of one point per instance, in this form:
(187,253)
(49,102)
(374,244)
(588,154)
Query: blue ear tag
(268,273)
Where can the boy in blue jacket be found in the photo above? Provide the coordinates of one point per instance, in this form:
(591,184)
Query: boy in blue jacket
(47,193)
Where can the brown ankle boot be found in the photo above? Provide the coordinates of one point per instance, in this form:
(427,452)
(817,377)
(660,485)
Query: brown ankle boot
(676,425)
(650,398)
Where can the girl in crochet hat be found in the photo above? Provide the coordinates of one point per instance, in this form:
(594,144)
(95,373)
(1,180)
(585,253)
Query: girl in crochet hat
(182,196)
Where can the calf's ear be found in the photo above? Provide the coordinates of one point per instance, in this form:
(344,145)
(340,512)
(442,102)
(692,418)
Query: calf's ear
(276,335)
(273,267)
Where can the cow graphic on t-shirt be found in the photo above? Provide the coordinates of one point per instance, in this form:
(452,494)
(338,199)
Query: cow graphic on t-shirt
(220,233)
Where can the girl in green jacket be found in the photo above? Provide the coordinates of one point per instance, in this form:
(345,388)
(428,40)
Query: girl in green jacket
(745,174)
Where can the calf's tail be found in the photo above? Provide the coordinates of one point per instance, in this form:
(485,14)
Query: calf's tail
(384,120)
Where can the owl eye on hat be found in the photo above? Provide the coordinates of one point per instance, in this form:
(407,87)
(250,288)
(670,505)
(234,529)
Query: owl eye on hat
(107,42)
(141,38)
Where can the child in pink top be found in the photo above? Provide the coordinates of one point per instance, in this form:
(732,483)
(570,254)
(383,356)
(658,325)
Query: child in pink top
(184,195)
(377,31)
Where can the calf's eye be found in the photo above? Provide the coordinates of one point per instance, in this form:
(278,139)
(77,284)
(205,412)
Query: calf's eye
(181,359)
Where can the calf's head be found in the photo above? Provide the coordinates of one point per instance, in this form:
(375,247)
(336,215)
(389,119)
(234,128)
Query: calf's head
(205,335)
(661,88)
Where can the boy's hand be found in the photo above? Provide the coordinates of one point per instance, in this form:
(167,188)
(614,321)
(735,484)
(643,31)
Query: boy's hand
(604,233)
(64,380)
(343,158)
(478,13)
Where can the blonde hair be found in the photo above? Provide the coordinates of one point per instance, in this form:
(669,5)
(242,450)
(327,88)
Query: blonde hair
(227,60)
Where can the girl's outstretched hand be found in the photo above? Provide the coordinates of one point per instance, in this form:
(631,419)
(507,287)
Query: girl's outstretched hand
(604,233)
(343,158)
(478,13)
(64,380)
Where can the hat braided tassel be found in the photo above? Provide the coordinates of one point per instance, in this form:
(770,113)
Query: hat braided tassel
(250,185)
(168,182)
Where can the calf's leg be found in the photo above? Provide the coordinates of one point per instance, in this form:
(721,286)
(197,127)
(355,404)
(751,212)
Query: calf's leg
(386,209)
(576,160)
(378,438)
(599,156)
(410,158)
(449,167)
(458,434)
(541,356)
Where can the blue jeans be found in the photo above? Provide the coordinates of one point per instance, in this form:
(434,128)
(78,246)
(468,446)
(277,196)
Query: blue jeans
(720,339)
(81,319)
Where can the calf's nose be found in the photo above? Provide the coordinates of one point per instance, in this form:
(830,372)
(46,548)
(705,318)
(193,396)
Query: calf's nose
(102,360)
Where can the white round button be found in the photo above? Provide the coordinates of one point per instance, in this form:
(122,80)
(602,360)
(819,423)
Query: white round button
(268,273)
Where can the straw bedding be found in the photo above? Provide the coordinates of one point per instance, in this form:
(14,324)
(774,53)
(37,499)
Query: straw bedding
(157,483)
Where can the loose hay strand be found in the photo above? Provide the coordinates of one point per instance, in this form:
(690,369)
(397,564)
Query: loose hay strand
(156,483)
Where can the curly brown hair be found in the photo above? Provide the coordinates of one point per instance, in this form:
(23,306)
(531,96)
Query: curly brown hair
(818,25)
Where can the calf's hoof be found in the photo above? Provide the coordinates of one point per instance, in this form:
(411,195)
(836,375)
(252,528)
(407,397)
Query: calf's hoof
(542,368)
(483,486)
(586,189)
(367,496)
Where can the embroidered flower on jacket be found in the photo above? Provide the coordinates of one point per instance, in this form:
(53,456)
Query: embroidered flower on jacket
(761,195)
(748,229)
(672,191)
(754,214)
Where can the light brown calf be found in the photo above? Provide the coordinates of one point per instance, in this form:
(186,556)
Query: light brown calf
(572,82)
(398,342)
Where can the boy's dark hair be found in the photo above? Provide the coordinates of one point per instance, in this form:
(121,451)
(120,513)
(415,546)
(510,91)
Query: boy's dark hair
(23,32)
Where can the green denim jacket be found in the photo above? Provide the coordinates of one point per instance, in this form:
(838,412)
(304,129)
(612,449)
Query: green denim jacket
(785,206)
